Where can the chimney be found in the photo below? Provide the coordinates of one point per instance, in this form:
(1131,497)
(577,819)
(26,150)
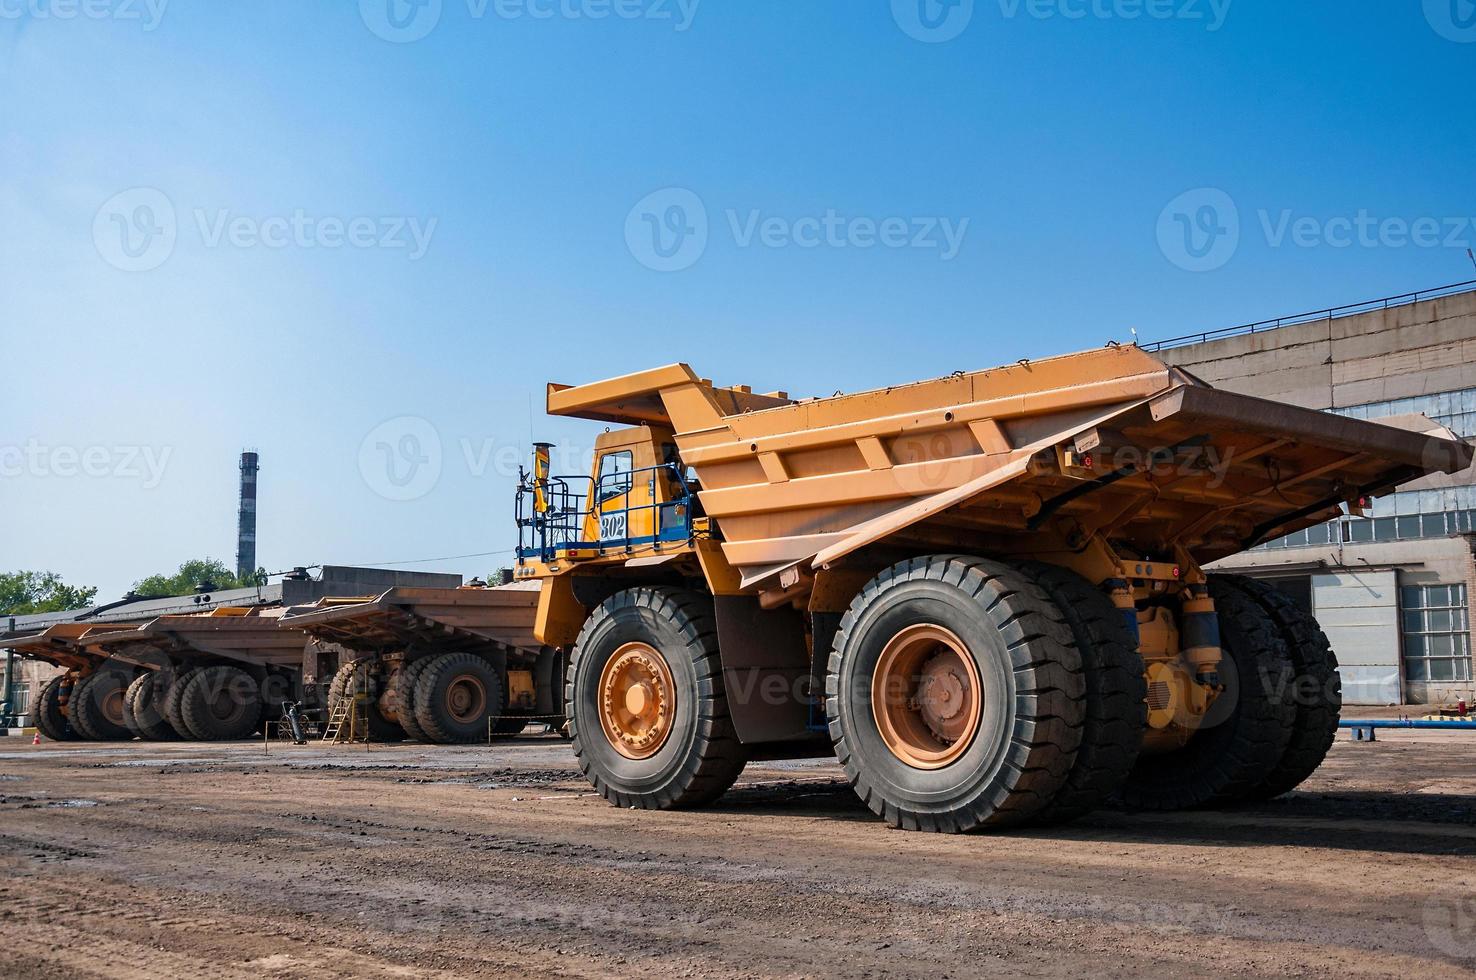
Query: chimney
(246,519)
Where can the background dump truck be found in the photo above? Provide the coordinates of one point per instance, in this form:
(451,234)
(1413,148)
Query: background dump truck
(984,593)
(436,664)
(90,699)
(214,677)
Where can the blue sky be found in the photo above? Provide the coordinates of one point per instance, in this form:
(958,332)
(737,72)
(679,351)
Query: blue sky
(308,229)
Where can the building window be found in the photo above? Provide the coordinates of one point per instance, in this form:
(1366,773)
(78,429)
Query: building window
(1437,633)
(20,699)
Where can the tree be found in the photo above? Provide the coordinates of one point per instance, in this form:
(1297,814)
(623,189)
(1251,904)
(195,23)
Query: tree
(209,572)
(24,593)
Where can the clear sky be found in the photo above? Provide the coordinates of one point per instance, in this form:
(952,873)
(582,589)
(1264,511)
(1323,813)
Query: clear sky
(359,237)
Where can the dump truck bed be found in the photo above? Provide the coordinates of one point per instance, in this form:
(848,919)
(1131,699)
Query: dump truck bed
(62,645)
(403,617)
(256,639)
(1169,459)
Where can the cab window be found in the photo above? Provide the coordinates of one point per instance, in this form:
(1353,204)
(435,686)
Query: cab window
(615,475)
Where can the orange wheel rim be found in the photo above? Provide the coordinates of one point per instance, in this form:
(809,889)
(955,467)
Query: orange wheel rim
(637,700)
(926,696)
(466,698)
(112,706)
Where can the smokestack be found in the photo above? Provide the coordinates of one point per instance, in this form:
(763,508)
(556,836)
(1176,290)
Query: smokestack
(246,519)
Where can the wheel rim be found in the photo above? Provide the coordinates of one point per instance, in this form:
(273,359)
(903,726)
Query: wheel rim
(926,696)
(112,706)
(466,698)
(637,700)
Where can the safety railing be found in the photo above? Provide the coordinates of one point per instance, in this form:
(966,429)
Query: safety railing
(1352,309)
(606,507)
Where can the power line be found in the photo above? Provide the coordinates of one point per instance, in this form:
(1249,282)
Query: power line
(408,561)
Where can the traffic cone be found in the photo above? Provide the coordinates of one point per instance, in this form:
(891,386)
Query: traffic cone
(36,739)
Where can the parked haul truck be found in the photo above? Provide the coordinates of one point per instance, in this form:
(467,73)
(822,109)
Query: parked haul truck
(984,594)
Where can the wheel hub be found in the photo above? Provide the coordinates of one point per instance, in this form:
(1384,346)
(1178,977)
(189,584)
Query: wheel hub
(926,696)
(637,700)
(465,698)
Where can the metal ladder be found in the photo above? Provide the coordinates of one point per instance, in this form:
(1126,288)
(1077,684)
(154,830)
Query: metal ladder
(349,721)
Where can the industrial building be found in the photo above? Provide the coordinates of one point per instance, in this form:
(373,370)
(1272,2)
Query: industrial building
(1391,588)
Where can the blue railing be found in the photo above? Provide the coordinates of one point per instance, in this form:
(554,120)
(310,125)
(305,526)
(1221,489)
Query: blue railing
(560,527)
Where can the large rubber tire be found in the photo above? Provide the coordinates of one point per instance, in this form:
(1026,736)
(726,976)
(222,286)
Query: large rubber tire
(1317,689)
(1032,698)
(96,705)
(1246,731)
(175,682)
(49,719)
(435,689)
(354,678)
(700,756)
(405,682)
(142,711)
(1116,692)
(221,704)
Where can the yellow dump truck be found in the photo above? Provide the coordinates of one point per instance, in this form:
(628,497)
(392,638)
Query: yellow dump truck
(983,593)
(90,698)
(441,665)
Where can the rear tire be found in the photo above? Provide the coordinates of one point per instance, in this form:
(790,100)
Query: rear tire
(457,696)
(989,641)
(173,701)
(1116,693)
(141,709)
(1317,689)
(49,718)
(405,682)
(221,704)
(675,745)
(96,705)
(1247,730)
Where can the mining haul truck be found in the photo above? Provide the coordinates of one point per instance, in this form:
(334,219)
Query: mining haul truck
(442,665)
(89,700)
(984,594)
(209,678)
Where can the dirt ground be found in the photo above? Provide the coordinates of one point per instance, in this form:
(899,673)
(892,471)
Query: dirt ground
(146,860)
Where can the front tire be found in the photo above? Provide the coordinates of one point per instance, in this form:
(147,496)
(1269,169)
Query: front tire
(955,695)
(50,721)
(648,710)
(457,698)
(96,705)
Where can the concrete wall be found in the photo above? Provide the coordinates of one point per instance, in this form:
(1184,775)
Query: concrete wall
(1418,349)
